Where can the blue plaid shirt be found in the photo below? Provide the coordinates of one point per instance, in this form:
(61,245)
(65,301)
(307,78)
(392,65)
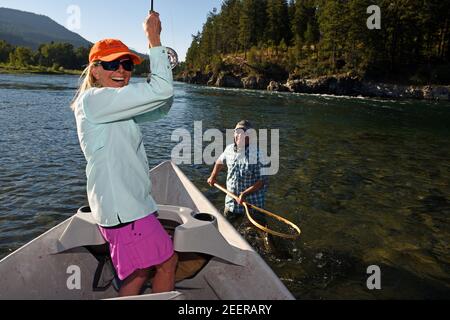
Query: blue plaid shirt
(242,174)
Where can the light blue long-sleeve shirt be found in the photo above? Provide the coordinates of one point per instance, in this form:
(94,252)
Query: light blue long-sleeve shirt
(118,182)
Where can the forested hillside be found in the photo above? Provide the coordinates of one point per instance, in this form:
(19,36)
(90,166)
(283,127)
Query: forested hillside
(311,38)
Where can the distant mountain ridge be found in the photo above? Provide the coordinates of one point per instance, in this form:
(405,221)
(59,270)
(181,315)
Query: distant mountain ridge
(28,29)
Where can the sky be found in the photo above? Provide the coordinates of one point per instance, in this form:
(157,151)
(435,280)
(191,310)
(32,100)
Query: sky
(100,19)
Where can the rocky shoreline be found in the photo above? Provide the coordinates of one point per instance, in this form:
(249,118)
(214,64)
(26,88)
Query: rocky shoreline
(340,85)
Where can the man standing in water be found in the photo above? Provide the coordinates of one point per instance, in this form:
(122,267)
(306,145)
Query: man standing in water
(245,177)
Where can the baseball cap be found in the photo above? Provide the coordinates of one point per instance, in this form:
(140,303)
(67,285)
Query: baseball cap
(111,49)
(244,124)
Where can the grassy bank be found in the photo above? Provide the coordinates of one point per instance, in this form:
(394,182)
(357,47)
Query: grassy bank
(10,69)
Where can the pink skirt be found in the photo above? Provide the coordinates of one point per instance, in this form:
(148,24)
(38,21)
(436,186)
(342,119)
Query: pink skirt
(139,245)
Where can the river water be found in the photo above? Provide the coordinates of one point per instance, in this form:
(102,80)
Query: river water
(367,180)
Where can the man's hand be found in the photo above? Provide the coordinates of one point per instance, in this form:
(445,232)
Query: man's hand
(212,181)
(241,199)
(152,28)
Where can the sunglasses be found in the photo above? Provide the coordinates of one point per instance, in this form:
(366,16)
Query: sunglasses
(240,131)
(127,64)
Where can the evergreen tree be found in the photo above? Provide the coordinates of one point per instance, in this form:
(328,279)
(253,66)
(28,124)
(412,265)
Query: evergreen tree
(5,50)
(82,57)
(334,23)
(21,56)
(230,12)
(260,21)
(192,55)
(299,21)
(277,21)
(58,54)
(209,39)
(247,24)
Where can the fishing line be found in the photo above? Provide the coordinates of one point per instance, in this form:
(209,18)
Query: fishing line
(173,56)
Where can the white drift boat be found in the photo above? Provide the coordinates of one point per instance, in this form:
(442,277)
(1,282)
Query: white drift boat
(71,261)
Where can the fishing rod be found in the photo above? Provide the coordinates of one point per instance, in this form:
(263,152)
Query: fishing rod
(173,56)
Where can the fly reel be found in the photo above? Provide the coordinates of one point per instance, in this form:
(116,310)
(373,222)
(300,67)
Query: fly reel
(173,57)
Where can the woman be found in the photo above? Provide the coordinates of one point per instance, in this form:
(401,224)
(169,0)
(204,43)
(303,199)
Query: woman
(107,109)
